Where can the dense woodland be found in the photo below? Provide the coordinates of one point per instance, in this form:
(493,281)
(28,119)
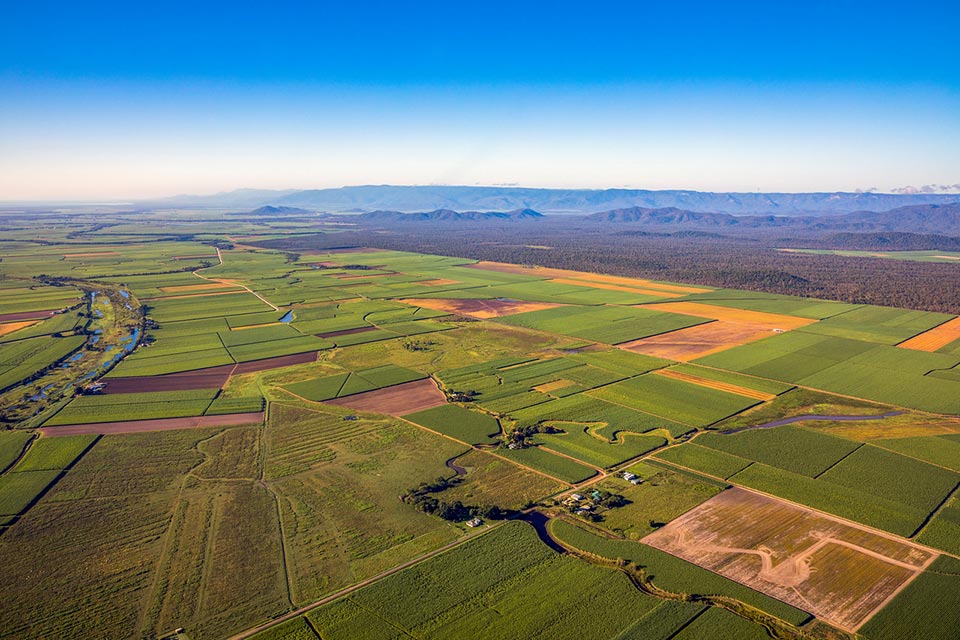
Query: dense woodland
(702,258)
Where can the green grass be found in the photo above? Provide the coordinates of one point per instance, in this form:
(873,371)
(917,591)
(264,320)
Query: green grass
(18,490)
(709,461)
(943,530)
(610,325)
(458,422)
(11,446)
(928,608)
(788,447)
(578,441)
(675,400)
(934,449)
(345,384)
(892,476)
(553,465)
(854,503)
(47,454)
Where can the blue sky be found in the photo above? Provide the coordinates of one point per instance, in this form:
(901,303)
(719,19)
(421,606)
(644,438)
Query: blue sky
(122,100)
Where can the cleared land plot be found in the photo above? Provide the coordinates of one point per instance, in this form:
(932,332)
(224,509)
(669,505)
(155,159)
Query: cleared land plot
(163,424)
(935,338)
(481,309)
(838,572)
(397,400)
(694,342)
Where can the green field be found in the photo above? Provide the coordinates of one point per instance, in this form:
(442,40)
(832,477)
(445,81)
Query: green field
(219,530)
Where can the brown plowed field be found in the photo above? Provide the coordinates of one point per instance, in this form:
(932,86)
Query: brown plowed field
(481,309)
(715,384)
(397,400)
(939,336)
(344,332)
(10,327)
(162,424)
(695,342)
(716,312)
(27,315)
(837,571)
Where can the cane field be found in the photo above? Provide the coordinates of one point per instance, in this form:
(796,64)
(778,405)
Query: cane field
(203,430)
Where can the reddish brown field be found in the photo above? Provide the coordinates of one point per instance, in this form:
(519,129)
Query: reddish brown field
(397,400)
(27,315)
(162,424)
(209,378)
(939,336)
(344,332)
(838,571)
(481,309)
(695,342)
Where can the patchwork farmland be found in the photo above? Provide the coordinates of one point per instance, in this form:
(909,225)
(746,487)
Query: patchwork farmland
(249,442)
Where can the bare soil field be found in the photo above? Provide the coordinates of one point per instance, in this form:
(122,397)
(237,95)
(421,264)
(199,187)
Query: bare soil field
(715,384)
(695,342)
(933,339)
(480,309)
(27,315)
(837,571)
(758,318)
(275,363)
(397,400)
(161,424)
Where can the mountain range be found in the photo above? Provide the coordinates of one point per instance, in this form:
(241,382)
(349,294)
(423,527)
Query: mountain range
(359,199)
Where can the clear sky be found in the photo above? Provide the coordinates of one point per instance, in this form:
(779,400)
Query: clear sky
(117,100)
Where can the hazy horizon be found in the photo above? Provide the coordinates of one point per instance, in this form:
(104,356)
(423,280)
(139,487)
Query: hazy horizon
(118,102)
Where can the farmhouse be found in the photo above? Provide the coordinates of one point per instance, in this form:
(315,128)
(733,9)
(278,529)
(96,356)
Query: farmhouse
(629,476)
(475,522)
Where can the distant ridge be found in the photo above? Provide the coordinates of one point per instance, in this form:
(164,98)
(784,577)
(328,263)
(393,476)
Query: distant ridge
(270,210)
(469,198)
(448,215)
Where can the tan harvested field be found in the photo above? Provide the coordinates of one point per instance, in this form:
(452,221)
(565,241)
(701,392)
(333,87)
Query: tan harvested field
(480,309)
(10,327)
(695,342)
(715,384)
(160,424)
(617,287)
(837,571)
(548,272)
(437,282)
(397,400)
(948,257)
(184,288)
(758,318)
(933,339)
(547,387)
